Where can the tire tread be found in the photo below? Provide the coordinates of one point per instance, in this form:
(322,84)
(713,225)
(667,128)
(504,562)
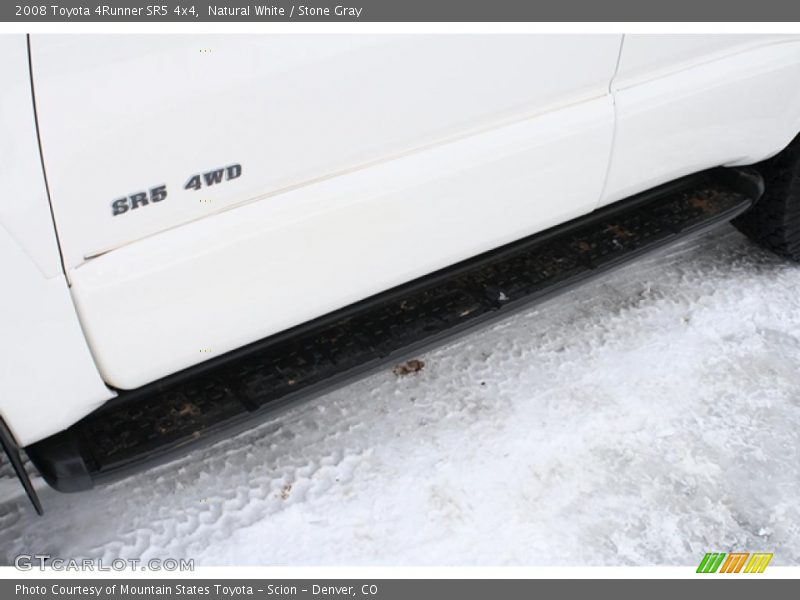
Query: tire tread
(775,220)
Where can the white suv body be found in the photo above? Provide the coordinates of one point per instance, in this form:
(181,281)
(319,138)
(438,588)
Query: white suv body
(210,191)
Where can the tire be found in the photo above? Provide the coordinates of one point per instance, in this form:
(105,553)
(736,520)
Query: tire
(774,222)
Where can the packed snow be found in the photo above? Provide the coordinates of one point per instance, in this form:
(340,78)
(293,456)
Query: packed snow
(643,419)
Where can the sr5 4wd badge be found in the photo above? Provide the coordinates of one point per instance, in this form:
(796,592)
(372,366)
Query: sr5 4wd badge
(158,193)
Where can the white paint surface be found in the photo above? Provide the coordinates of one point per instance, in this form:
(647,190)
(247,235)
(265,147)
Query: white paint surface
(367,161)
(24,208)
(119,114)
(48,379)
(150,307)
(732,110)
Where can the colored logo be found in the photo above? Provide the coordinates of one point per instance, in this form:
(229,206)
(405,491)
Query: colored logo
(735,562)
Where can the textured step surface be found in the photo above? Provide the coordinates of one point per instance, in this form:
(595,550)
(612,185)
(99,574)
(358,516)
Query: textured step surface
(232,391)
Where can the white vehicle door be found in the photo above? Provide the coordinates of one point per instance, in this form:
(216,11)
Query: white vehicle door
(685,103)
(210,191)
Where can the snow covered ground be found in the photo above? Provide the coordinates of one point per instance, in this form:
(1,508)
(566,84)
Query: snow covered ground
(642,419)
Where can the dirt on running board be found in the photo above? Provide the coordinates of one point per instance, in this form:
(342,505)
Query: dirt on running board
(410,366)
(705,202)
(618,232)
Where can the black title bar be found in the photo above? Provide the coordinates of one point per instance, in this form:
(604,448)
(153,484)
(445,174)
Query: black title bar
(398,11)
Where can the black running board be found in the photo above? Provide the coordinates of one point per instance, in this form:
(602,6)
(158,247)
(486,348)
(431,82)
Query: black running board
(230,393)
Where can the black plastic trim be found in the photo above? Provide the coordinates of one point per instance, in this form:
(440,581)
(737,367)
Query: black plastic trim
(9,444)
